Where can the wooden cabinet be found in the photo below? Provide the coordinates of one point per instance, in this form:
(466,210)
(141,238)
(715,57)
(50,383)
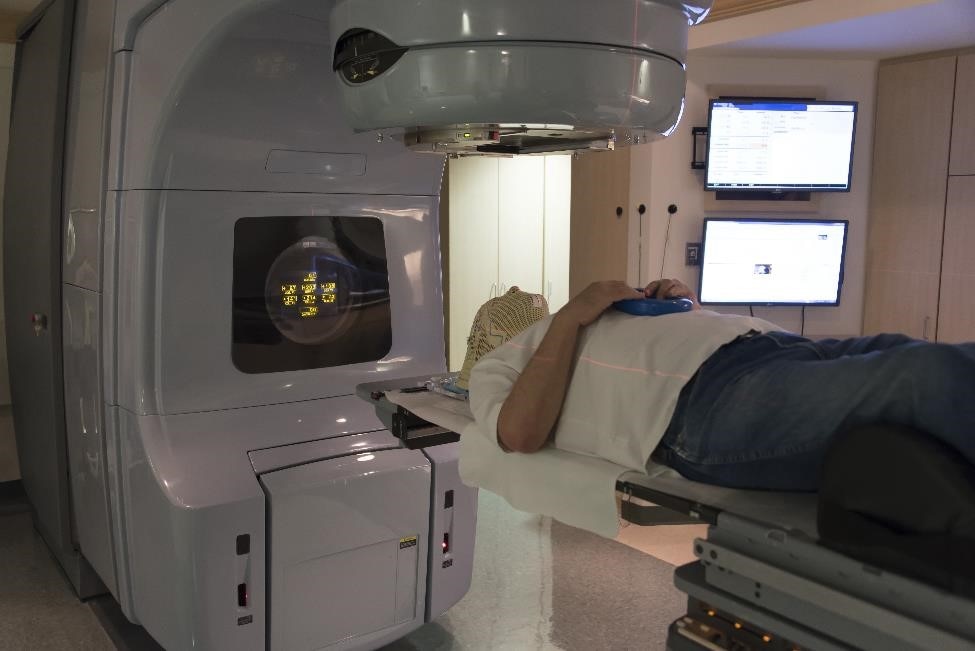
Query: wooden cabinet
(556,240)
(956,312)
(508,226)
(521,224)
(963,124)
(600,218)
(921,223)
(473,246)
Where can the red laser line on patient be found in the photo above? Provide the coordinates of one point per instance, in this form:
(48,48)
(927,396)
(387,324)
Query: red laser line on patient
(627,369)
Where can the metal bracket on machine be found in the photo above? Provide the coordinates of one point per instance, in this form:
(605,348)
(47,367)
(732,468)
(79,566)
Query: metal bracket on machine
(417,433)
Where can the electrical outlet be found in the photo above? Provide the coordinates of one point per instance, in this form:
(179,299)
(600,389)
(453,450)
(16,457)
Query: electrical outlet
(692,254)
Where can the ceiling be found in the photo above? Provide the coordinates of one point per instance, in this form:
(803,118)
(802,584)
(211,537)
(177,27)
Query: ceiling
(723,9)
(18,6)
(11,13)
(862,29)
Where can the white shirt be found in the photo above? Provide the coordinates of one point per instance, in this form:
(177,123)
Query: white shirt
(628,374)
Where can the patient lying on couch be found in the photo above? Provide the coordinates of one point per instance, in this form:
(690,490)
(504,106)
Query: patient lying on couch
(723,399)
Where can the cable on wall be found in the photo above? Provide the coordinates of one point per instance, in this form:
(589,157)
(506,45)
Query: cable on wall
(671,211)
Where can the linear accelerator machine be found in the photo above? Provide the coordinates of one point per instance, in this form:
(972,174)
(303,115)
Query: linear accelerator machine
(220,218)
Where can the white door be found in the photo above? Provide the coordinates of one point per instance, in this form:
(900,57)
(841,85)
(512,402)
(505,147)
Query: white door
(473,246)
(558,195)
(509,227)
(521,213)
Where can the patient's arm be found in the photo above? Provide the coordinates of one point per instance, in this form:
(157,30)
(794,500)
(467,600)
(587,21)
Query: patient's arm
(530,411)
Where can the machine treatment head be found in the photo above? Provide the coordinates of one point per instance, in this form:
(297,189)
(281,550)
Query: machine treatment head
(468,76)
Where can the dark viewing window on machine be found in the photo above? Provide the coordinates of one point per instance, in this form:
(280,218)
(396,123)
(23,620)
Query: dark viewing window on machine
(309,292)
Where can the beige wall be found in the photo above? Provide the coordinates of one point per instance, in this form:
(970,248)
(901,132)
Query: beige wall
(672,181)
(9,469)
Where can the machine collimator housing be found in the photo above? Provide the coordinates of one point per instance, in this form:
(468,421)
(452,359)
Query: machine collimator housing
(511,77)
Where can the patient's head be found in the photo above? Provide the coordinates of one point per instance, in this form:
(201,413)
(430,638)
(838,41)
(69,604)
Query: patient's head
(496,322)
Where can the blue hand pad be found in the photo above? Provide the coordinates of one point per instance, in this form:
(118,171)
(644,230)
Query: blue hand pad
(653,306)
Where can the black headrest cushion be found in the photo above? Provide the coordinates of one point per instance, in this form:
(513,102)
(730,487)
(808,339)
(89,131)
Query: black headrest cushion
(901,500)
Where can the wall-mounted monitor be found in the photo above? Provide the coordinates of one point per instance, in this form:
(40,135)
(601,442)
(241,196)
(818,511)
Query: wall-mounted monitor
(780,145)
(759,261)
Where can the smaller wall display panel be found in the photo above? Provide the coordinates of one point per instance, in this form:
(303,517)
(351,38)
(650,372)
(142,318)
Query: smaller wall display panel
(309,292)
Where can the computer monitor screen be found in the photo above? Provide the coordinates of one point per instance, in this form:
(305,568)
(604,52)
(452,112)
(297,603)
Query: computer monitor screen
(772,261)
(780,145)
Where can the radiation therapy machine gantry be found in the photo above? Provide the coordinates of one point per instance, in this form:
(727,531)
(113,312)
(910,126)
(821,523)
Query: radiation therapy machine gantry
(220,218)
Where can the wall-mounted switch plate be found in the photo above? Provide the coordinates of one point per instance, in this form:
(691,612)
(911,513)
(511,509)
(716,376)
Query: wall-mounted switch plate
(692,254)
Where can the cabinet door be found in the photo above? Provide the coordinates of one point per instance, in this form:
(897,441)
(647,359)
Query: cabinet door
(558,186)
(599,220)
(473,197)
(910,163)
(32,267)
(963,127)
(956,314)
(521,205)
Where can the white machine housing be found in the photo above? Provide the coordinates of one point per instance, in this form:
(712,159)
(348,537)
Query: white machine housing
(207,519)
(228,508)
(495,77)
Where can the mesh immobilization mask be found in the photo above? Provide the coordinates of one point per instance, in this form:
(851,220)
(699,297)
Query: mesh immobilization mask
(496,322)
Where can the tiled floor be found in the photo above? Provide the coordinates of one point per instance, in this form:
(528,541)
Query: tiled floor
(672,544)
(537,584)
(38,610)
(9,469)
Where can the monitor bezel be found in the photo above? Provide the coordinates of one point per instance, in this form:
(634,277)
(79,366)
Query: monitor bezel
(783,220)
(780,188)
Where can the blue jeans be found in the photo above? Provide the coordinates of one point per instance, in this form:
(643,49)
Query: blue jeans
(761,411)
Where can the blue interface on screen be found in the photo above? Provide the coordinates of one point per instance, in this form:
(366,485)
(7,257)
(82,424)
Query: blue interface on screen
(784,146)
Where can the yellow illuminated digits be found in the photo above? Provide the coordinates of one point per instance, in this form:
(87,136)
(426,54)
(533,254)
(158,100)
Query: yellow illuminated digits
(328,298)
(308,299)
(308,288)
(289,289)
(289,301)
(309,311)
(310,277)
(328,288)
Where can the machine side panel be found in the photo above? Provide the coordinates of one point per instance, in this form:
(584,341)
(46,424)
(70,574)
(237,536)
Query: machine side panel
(288,456)
(348,542)
(207,108)
(185,569)
(111,226)
(86,144)
(175,315)
(121,72)
(116,501)
(134,284)
(185,449)
(85,431)
(109,305)
(453,525)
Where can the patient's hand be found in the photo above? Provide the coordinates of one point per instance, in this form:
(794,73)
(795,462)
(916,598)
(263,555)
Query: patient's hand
(670,288)
(594,299)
